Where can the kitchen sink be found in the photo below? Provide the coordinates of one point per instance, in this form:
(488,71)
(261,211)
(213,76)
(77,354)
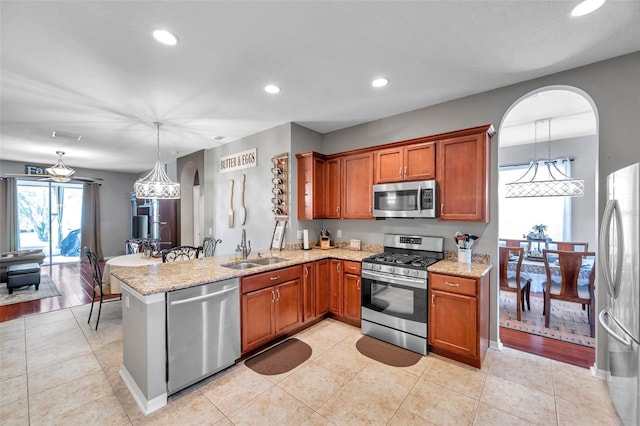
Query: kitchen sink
(240,265)
(267,260)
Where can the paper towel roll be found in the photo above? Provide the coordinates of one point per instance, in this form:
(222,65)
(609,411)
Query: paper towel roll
(305,239)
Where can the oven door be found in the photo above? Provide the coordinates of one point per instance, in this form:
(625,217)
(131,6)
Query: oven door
(395,301)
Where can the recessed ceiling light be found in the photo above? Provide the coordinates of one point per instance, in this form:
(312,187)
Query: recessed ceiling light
(165,37)
(59,134)
(218,138)
(271,88)
(380,82)
(586,7)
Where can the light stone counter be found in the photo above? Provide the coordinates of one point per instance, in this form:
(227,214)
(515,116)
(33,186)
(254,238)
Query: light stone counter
(163,277)
(471,270)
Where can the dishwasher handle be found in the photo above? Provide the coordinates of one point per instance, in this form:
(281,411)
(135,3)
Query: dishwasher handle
(203,297)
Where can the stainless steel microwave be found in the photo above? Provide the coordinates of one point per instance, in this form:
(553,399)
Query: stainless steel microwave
(405,199)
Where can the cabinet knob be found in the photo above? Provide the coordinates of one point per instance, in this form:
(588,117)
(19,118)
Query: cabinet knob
(452,284)
(433,302)
(400,171)
(275,278)
(358,285)
(273,296)
(442,209)
(405,170)
(278,294)
(306,272)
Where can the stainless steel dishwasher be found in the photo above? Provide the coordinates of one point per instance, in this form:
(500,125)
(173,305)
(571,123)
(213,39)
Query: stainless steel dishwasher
(203,332)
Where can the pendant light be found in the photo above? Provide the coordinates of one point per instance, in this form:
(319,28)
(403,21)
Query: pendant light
(559,184)
(59,172)
(156,184)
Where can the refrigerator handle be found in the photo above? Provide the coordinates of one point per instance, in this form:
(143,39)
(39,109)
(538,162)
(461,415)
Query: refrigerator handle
(626,339)
(612,281)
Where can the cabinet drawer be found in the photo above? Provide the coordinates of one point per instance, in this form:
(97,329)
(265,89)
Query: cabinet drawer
(453,284)
(266,279)
(351,267)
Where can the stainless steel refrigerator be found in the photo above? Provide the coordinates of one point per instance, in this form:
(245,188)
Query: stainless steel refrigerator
(619,254)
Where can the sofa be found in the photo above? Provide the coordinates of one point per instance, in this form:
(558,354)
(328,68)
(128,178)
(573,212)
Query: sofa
(17,257)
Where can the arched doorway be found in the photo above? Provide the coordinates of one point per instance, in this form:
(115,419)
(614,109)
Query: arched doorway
(191,206)
(551,123)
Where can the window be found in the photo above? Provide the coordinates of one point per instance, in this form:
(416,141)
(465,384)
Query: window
(518,215)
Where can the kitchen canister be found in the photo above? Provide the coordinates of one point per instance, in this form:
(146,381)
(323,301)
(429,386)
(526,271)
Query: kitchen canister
(464,255)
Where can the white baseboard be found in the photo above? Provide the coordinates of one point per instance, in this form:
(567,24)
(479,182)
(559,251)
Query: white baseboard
(146,406)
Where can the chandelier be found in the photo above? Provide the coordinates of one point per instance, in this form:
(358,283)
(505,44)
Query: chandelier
(156,184)
(59,172)
(557,185)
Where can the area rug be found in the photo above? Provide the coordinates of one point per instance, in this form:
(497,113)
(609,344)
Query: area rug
(281,358)
(386,353)
(568,321)
(24,294)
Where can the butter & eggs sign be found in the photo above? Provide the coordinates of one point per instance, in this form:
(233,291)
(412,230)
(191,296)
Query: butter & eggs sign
(240,160)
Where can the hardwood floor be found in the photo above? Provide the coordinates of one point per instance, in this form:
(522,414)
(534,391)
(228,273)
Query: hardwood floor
(558,350)
(72,279)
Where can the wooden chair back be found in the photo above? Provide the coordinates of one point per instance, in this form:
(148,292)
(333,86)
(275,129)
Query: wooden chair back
(180,253)
(570,263)
(503,264)
(96,273)
(525,244)
(568,246)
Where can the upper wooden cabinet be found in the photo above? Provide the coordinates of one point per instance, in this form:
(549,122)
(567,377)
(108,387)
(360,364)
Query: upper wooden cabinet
(357,182)
(311,194)
(333,188)
(411,162)
(463,176)
(339,186)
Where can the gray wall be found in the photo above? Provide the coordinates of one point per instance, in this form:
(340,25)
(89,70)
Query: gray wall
(115,210)
(584,151)
(613,86)
(260,220)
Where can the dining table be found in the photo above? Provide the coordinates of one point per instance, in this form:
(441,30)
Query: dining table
(125,261)
(535,270)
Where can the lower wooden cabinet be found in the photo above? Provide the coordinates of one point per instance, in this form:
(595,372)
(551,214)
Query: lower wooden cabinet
(345,289)
(352,283)
(459,317)
(315,289)
(271,305)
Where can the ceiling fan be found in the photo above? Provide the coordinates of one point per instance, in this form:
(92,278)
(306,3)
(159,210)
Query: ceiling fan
(59,172)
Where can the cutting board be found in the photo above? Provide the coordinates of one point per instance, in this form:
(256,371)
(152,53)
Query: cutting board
(231,203)
(243,211)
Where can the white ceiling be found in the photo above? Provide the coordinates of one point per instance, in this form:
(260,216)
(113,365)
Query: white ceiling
(92,68)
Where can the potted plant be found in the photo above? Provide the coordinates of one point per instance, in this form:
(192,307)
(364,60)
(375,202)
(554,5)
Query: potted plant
(539,232)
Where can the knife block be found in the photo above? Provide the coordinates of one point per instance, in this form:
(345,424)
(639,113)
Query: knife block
(325,242)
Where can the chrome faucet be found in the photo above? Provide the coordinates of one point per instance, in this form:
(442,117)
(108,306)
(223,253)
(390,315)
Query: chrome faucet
(243,245)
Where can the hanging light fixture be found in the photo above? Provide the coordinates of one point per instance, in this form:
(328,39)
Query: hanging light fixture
(156,184)
(59,172)
(558,184)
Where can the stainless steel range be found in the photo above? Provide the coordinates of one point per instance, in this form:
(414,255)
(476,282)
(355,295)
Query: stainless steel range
(394,290)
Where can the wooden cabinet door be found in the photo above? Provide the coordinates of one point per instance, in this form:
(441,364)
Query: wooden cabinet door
(352,296)
(323,288)
(311,194)
(335,279)
(332,188)
(452,322)
(463,179)
(258,325)
(357,189)
(309,291)
(288,306)
(420,161)
(388,165)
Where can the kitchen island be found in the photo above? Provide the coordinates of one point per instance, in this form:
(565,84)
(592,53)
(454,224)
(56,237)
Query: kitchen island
(145,291)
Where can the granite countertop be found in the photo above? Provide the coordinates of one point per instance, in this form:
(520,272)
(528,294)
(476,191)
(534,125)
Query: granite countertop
(451,267)
(164,277)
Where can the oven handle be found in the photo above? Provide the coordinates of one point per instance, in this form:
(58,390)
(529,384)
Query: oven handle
(406,281)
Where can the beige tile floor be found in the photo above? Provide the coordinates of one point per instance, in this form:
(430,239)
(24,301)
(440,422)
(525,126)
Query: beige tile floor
(55,369)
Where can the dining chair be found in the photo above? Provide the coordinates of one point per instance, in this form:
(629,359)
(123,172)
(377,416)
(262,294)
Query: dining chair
(209,244)
(566,287)
(179,253)
(100,293)
(517,284)
(568,246)
(505,242)
(133,247)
